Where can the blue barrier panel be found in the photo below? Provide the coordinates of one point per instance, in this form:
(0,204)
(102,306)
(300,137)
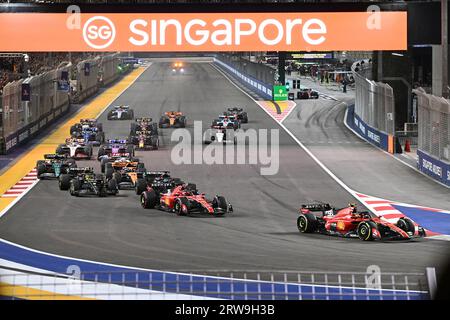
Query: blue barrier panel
(254,84)
(372,135)
(433,167)
(196,285)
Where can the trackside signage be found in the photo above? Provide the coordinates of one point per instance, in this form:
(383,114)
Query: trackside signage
(279,93)
(326,31)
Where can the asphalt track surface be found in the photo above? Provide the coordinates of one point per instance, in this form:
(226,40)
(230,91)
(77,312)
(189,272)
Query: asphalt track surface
(319,124)
(260,235)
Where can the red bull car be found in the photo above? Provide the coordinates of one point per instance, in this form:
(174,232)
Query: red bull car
(145,140)
(144,124)
(184,200)
(172,119)
(348,222)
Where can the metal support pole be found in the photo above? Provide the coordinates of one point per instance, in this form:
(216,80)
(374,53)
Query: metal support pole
(432,283)
(444,44)
(281,65)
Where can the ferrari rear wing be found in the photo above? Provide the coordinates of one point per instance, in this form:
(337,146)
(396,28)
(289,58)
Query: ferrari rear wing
(317,206)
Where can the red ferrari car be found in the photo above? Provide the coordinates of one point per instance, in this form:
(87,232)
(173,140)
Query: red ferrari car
(348,222)
(183,200)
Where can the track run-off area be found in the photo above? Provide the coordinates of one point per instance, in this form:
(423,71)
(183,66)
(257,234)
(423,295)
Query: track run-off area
(261,233)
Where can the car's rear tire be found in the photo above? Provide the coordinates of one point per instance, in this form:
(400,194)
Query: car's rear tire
(64,182)
(307,223)
(59,150)
(75,187)
(133,128)
(113,186)
(103,163)
(155,143)
(364,230)
(406,224)
(109,171)
(130,150)
(148,199)
(117,177)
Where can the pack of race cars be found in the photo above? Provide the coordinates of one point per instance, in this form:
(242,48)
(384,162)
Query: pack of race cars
(121,170)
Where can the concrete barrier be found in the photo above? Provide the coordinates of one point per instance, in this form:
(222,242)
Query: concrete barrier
(377,138)
(262,89)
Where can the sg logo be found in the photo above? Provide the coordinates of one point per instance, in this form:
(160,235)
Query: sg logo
(99,32)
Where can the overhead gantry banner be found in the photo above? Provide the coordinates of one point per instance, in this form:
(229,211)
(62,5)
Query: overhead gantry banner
(330,31)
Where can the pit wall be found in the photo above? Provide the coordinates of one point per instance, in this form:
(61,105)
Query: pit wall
(20,120)
(263,89)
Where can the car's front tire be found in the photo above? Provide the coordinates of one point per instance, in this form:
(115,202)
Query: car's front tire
(148,199)
(406,225)
(365,230)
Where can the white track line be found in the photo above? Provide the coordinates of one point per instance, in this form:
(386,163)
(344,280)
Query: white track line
(20,196)
(328,171)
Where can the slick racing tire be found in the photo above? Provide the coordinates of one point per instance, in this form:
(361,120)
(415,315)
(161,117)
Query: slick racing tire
(220,202)
(59,150)
(117,177)
(406,225)
(148,199)
(73,129)
(41,169)
(141,186)
(103,163)
(155,143)
(101,152)
(88,151)
(75,187)
(109,171)
(100,127)
(113,186)
(130,150)
(64,182)
(133,129)
(141,167)
(178,207)
(307,223)
(365,230)
(182,122)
